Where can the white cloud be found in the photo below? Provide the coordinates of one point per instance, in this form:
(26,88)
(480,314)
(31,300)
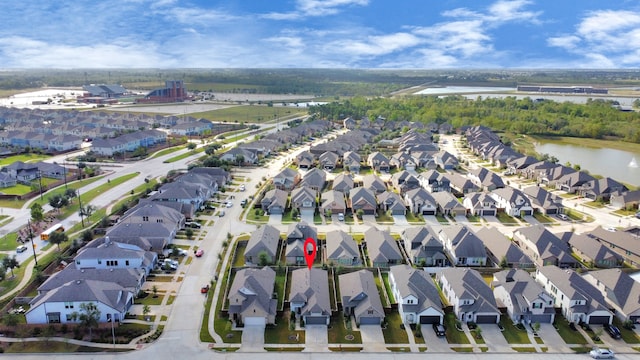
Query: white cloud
(376,45)
(504,11)
(309,8)
(604,39)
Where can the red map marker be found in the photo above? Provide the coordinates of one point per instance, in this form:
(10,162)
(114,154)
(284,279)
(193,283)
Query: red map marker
(309,255)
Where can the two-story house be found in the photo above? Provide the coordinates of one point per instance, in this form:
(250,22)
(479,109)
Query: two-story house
(471,297)
(417,295)
(525,300)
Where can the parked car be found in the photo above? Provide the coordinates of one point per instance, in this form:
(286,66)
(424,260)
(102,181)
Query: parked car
(21,249)
(563,217)
(613,331)
(229,204)
(193,225)
(199,252)
(242,188)
(598,353)
(204,289)
(341,217)
(221,213)
(439,329)
(243,202)
(638,215)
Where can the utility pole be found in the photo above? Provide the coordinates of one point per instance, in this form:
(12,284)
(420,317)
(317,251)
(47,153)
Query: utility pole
(33,247)
(40,181)
(81,209)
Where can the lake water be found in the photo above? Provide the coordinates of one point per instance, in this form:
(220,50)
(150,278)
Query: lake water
(606,162)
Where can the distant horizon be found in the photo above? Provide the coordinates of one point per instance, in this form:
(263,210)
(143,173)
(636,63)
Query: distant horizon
(525,35)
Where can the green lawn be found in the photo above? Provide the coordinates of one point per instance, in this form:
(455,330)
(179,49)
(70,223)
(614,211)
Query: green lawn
(184,156)
(166,151)
(393,334)
(150,299)
(338,333)
(281,277)
(542,217)
(24,158)
(18,189)
(569,336)
(453,335)
(381,291)
(280,333)
(414,219)
(238,260)
(512,334)
(506,219)
(249,113)
(387,287)
(629,336)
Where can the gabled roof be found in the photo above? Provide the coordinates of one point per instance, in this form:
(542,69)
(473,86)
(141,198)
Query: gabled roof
(276,197)
(469,284)
(303,193)
(251,293)
(547,244)
(464,243)
(130,279)
(381,246)
(106,292)
(619,289)
(358,290)
(332,200)
(591,247)
(501,247)
(361,194)
(265,238)
(373,182)
(302,230)
(341,245)
(574,286)
(311,287)
(418,283)
(521,287)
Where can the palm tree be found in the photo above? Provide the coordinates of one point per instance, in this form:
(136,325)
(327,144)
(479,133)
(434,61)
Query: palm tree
(10,262)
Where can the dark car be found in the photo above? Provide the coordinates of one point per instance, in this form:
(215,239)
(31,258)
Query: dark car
(439,329)
(613,331)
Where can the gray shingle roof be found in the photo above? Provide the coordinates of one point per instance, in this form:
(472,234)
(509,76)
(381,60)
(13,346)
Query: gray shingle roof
(311,286)
(416,282)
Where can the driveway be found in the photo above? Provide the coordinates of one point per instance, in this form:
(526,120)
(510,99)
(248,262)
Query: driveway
(531,220)
(369,219)
(372,338)
(252,338)
(308,218)
(461,219)
(494,338)
(275,219)
(552,339)
(316,338)
(434,343)
(400,220)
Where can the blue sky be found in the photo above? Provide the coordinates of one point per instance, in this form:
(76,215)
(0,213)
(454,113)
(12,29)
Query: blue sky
(423,34)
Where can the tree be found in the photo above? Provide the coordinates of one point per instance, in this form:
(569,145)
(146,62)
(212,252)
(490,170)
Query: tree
(86,236)
(10,262)
(146,309)
(239,160)
(211,149)
(11,320)
(88,316)
(37,213)
(58,202)
(70,193)
(536,327)
(191,146)
(263,258)
(57,238)
(189,233)
(87,210)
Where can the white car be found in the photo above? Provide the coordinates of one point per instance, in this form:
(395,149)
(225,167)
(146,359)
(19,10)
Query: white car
(598,353)
(242,188)
(229,204)
(21,249)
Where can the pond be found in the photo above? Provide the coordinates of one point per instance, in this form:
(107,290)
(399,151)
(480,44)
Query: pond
(616,164)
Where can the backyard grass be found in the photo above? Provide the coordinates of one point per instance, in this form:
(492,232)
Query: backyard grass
(454,336)
(512,334)
(238,259)
(524,349)
(281,277)
(338,333)
(381,291)
(393,334)
(280,333)
(569,336)
(387,287)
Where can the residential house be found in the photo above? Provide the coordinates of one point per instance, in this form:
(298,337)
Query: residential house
(262,241)
(620,291)
(424,247)
(392,202)
(382,248)
(517,165)
(448,204)
(349,123)
(106,254)
(374,183)
(446,161)
(360,299)
(434,181)
(252,300)
(341,249)
(512,201)
(543,247)
(6,180)
(577,298)
(462,185)
(287,179)
(60,305)
(471,297)
(480,204)
(404,181)
(309,296)
(305,160)
(485,179)
(417,295)
(343,183)
(351,162)
(403,160)
(419,201)
(378,162)
(303,199)
(314,179)
(544,201)
(463,246)
(574,182)
(591,251)
(525,300)
(503,252)
(297,235)
(361,198)
(625,243)
(333,202)
(328,160)
(602,189)
(274,202)
(626,200)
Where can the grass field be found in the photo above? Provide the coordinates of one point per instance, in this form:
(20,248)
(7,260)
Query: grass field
(23,157)
(249,113)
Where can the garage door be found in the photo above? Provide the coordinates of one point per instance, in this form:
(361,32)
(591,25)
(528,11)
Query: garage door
(543,318)
(599,320)
(428,212)
(488,213)
(307,212)
(429,319)
(316,320)
(552,211)
(254,321)
(370,321)
(487,319)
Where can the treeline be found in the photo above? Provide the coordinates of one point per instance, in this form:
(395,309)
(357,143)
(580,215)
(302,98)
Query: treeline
(596,119)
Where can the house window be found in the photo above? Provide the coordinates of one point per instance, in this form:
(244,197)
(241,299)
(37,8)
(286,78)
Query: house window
(145,218)
(69,317)
(53,318)
(159,220)
(99,261)
(68,305)
(370,312)
(126,262)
